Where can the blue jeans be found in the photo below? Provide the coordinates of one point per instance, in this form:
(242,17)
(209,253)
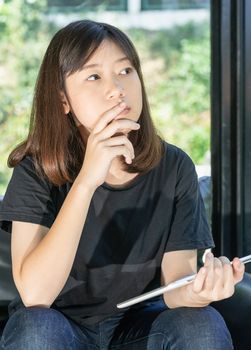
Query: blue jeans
(149,326)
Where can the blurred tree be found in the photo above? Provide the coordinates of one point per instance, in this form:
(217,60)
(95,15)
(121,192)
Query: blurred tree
(177,77)
(24,36)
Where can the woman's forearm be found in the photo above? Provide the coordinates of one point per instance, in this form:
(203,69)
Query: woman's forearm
(45,270)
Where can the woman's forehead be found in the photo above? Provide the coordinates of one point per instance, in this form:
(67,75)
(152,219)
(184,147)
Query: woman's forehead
(107,50)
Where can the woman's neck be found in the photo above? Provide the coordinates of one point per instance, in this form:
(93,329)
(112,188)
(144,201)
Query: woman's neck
(117,175)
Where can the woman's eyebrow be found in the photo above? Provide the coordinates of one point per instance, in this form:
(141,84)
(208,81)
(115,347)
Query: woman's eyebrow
(94,65)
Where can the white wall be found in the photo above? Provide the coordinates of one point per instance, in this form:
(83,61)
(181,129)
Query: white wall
(136,18)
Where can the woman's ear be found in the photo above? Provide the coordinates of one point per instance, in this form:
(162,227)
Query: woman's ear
(67,108)
(65,103)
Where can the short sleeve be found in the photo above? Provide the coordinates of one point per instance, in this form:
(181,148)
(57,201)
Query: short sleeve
(27,198)
(189,228)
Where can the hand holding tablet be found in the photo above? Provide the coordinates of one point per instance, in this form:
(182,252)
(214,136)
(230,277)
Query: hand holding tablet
(161,290)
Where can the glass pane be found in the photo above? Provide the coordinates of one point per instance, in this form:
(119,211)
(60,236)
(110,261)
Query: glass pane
(112,5)
(176,64)
(173,4)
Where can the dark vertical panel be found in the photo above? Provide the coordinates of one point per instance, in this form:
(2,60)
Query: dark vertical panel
(216,122)
(247,128)
(240,113)
(226,130)
(231,126)
(221,140)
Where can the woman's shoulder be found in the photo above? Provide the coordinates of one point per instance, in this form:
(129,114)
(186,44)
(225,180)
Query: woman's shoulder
(26,162)
(176,155)
(25,167)
(27,170)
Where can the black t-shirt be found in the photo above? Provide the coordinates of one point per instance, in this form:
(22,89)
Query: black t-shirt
(125,235)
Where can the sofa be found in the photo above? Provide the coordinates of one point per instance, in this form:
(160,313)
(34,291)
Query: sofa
(8,290)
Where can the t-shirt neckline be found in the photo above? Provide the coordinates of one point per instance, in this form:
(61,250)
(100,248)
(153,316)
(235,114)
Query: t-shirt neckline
(126,186)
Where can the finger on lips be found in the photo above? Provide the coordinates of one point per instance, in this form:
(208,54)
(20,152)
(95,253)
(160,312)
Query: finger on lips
(108,117)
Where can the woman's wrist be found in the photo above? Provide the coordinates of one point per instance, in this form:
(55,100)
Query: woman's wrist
(184,296)
(83,184)
(196,299)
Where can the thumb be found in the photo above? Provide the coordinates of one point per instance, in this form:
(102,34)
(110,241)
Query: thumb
(238,270)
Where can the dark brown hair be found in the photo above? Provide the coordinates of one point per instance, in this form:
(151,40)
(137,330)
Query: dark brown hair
(54,140)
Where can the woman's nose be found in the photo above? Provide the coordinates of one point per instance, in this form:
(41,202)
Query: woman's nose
(115,90)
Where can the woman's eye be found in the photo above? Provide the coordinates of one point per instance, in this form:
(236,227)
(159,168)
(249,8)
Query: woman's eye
(126,71)
(93,77)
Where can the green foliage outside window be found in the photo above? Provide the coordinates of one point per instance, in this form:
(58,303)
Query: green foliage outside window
(177,77)
(175,64)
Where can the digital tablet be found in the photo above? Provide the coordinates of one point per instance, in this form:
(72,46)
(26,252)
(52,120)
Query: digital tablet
(176,284)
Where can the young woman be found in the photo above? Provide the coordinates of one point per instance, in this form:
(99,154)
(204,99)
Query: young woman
(101,209)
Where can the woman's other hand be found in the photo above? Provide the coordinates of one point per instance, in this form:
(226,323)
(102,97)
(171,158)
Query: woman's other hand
(216,280)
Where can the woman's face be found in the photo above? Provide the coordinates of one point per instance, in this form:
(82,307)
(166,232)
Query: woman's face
(104,81)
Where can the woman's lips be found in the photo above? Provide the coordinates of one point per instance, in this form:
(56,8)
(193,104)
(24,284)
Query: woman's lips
(124,112)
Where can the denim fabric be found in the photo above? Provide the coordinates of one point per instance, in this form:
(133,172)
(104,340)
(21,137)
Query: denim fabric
(149,326)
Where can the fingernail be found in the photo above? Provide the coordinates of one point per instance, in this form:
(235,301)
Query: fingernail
(138,126)
(209,255)
(203,271)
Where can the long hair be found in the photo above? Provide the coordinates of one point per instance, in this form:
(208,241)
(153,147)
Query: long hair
(54,140)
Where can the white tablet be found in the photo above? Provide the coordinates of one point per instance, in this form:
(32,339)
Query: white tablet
(158,291)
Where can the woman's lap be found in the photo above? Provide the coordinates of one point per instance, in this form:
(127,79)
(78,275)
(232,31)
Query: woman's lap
(150,326)
(157,327)
(40,328)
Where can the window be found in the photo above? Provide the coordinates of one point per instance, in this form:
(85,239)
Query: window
(174,48)
(90,5)
(173,4)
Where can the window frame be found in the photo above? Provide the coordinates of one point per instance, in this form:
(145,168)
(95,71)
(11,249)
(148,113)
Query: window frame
(171,5)
(122,7)
(231,126)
